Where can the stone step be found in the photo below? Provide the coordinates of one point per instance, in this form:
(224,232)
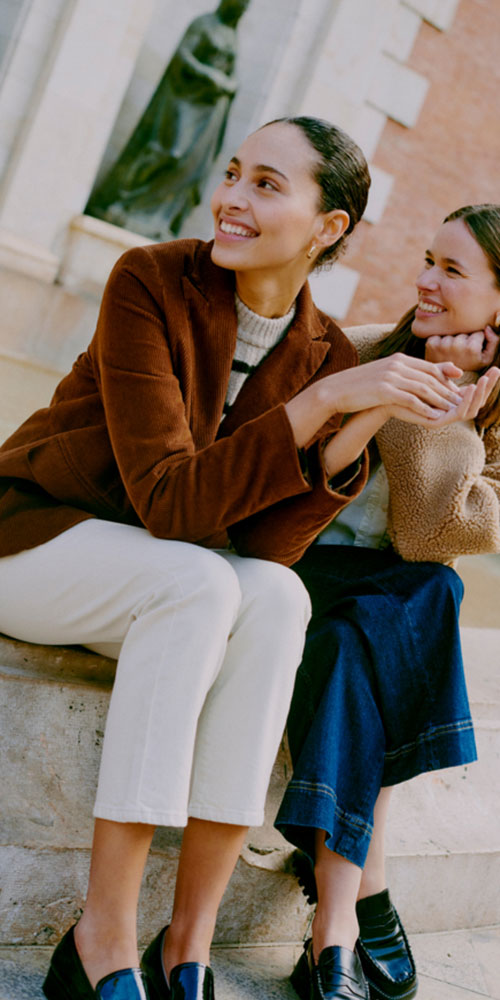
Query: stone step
(444,831)
(443,842)
(54,703)
(481,603)
(463,965)
(443,845)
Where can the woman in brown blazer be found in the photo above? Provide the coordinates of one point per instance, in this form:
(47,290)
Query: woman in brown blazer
(126,508)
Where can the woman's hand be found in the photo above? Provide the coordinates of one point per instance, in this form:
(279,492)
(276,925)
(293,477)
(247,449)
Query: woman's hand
(473,399)
(470,351)
(424,388)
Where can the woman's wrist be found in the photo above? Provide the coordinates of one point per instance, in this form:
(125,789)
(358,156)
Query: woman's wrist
(308,411)
(349,442)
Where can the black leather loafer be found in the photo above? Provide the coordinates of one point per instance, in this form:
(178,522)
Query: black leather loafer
(384,950)
(382,946)
(126,984)
(192,981)
(67,979)
(188,981)
(337,976)
(303,870)
(152,965)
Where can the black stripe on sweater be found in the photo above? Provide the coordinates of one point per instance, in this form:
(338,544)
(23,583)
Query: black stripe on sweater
(242,366)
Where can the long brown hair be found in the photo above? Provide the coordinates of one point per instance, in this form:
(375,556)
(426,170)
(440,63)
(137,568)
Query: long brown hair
(483,223)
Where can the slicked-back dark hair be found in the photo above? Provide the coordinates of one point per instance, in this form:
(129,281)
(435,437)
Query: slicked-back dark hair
(340,171)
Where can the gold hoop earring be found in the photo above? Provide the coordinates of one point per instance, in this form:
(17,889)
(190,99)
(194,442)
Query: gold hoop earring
(310,252)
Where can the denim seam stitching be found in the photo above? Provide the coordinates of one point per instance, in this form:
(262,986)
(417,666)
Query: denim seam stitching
(341,815)
(429,735)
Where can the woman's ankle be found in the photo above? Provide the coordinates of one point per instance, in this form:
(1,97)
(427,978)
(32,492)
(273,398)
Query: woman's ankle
(372,883)
(104,948)
(339,927)
(187,941)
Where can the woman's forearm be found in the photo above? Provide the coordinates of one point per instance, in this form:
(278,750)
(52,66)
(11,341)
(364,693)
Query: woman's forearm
(351,440)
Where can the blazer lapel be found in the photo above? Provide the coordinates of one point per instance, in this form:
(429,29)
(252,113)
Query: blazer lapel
(287,370)
(209,297)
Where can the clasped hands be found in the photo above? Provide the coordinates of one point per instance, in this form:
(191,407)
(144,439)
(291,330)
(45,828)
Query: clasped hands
(471,352)
(455,355)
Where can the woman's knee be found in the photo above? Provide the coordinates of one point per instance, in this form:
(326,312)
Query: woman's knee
(196,578)
(445,584)
(277,591)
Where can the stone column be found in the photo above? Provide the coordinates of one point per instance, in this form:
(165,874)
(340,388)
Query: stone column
(58,153)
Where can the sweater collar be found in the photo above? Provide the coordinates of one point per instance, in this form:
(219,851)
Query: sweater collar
(288,368)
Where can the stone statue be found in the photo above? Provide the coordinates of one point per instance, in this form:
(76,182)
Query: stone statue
(158,178)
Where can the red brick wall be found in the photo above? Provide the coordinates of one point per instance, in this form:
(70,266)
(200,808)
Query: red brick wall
(450,158)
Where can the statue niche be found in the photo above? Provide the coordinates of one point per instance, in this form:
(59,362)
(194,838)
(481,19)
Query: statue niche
(159,176)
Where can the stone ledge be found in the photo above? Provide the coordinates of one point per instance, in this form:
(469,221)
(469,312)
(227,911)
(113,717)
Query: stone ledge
(45,324)
(58,697)
(93,248)
(51,756)
(54,664)
(44,890)
(27,257)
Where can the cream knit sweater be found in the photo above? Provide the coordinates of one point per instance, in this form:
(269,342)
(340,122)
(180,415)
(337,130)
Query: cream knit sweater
(257,336)
(444,484)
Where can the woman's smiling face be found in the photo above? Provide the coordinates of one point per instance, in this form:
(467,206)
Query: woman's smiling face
(265,210)
(457,291)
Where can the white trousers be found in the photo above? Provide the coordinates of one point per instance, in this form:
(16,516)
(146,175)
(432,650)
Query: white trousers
(207,644)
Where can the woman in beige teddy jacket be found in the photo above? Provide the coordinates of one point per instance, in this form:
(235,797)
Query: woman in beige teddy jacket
(380,695)
(443,485)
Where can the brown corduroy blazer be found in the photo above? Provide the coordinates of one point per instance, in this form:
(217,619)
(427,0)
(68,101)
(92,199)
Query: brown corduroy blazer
(133,432)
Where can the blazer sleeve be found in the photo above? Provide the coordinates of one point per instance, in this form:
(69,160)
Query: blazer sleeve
(178,491)
(285,530)
(444,489)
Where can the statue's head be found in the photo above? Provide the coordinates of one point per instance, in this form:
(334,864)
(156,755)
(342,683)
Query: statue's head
(230,11)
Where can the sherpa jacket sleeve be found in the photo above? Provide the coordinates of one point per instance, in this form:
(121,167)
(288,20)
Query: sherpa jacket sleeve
(444,489)
(444,484)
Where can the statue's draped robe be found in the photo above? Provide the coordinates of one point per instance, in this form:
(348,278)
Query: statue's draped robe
(158,178)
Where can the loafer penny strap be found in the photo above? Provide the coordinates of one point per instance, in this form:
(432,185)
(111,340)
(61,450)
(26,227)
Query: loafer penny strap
(340,975)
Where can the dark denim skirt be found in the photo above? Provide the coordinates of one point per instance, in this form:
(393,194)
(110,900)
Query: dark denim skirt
(380,695)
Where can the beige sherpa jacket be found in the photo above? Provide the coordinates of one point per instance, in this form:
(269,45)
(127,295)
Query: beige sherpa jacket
(444,485)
